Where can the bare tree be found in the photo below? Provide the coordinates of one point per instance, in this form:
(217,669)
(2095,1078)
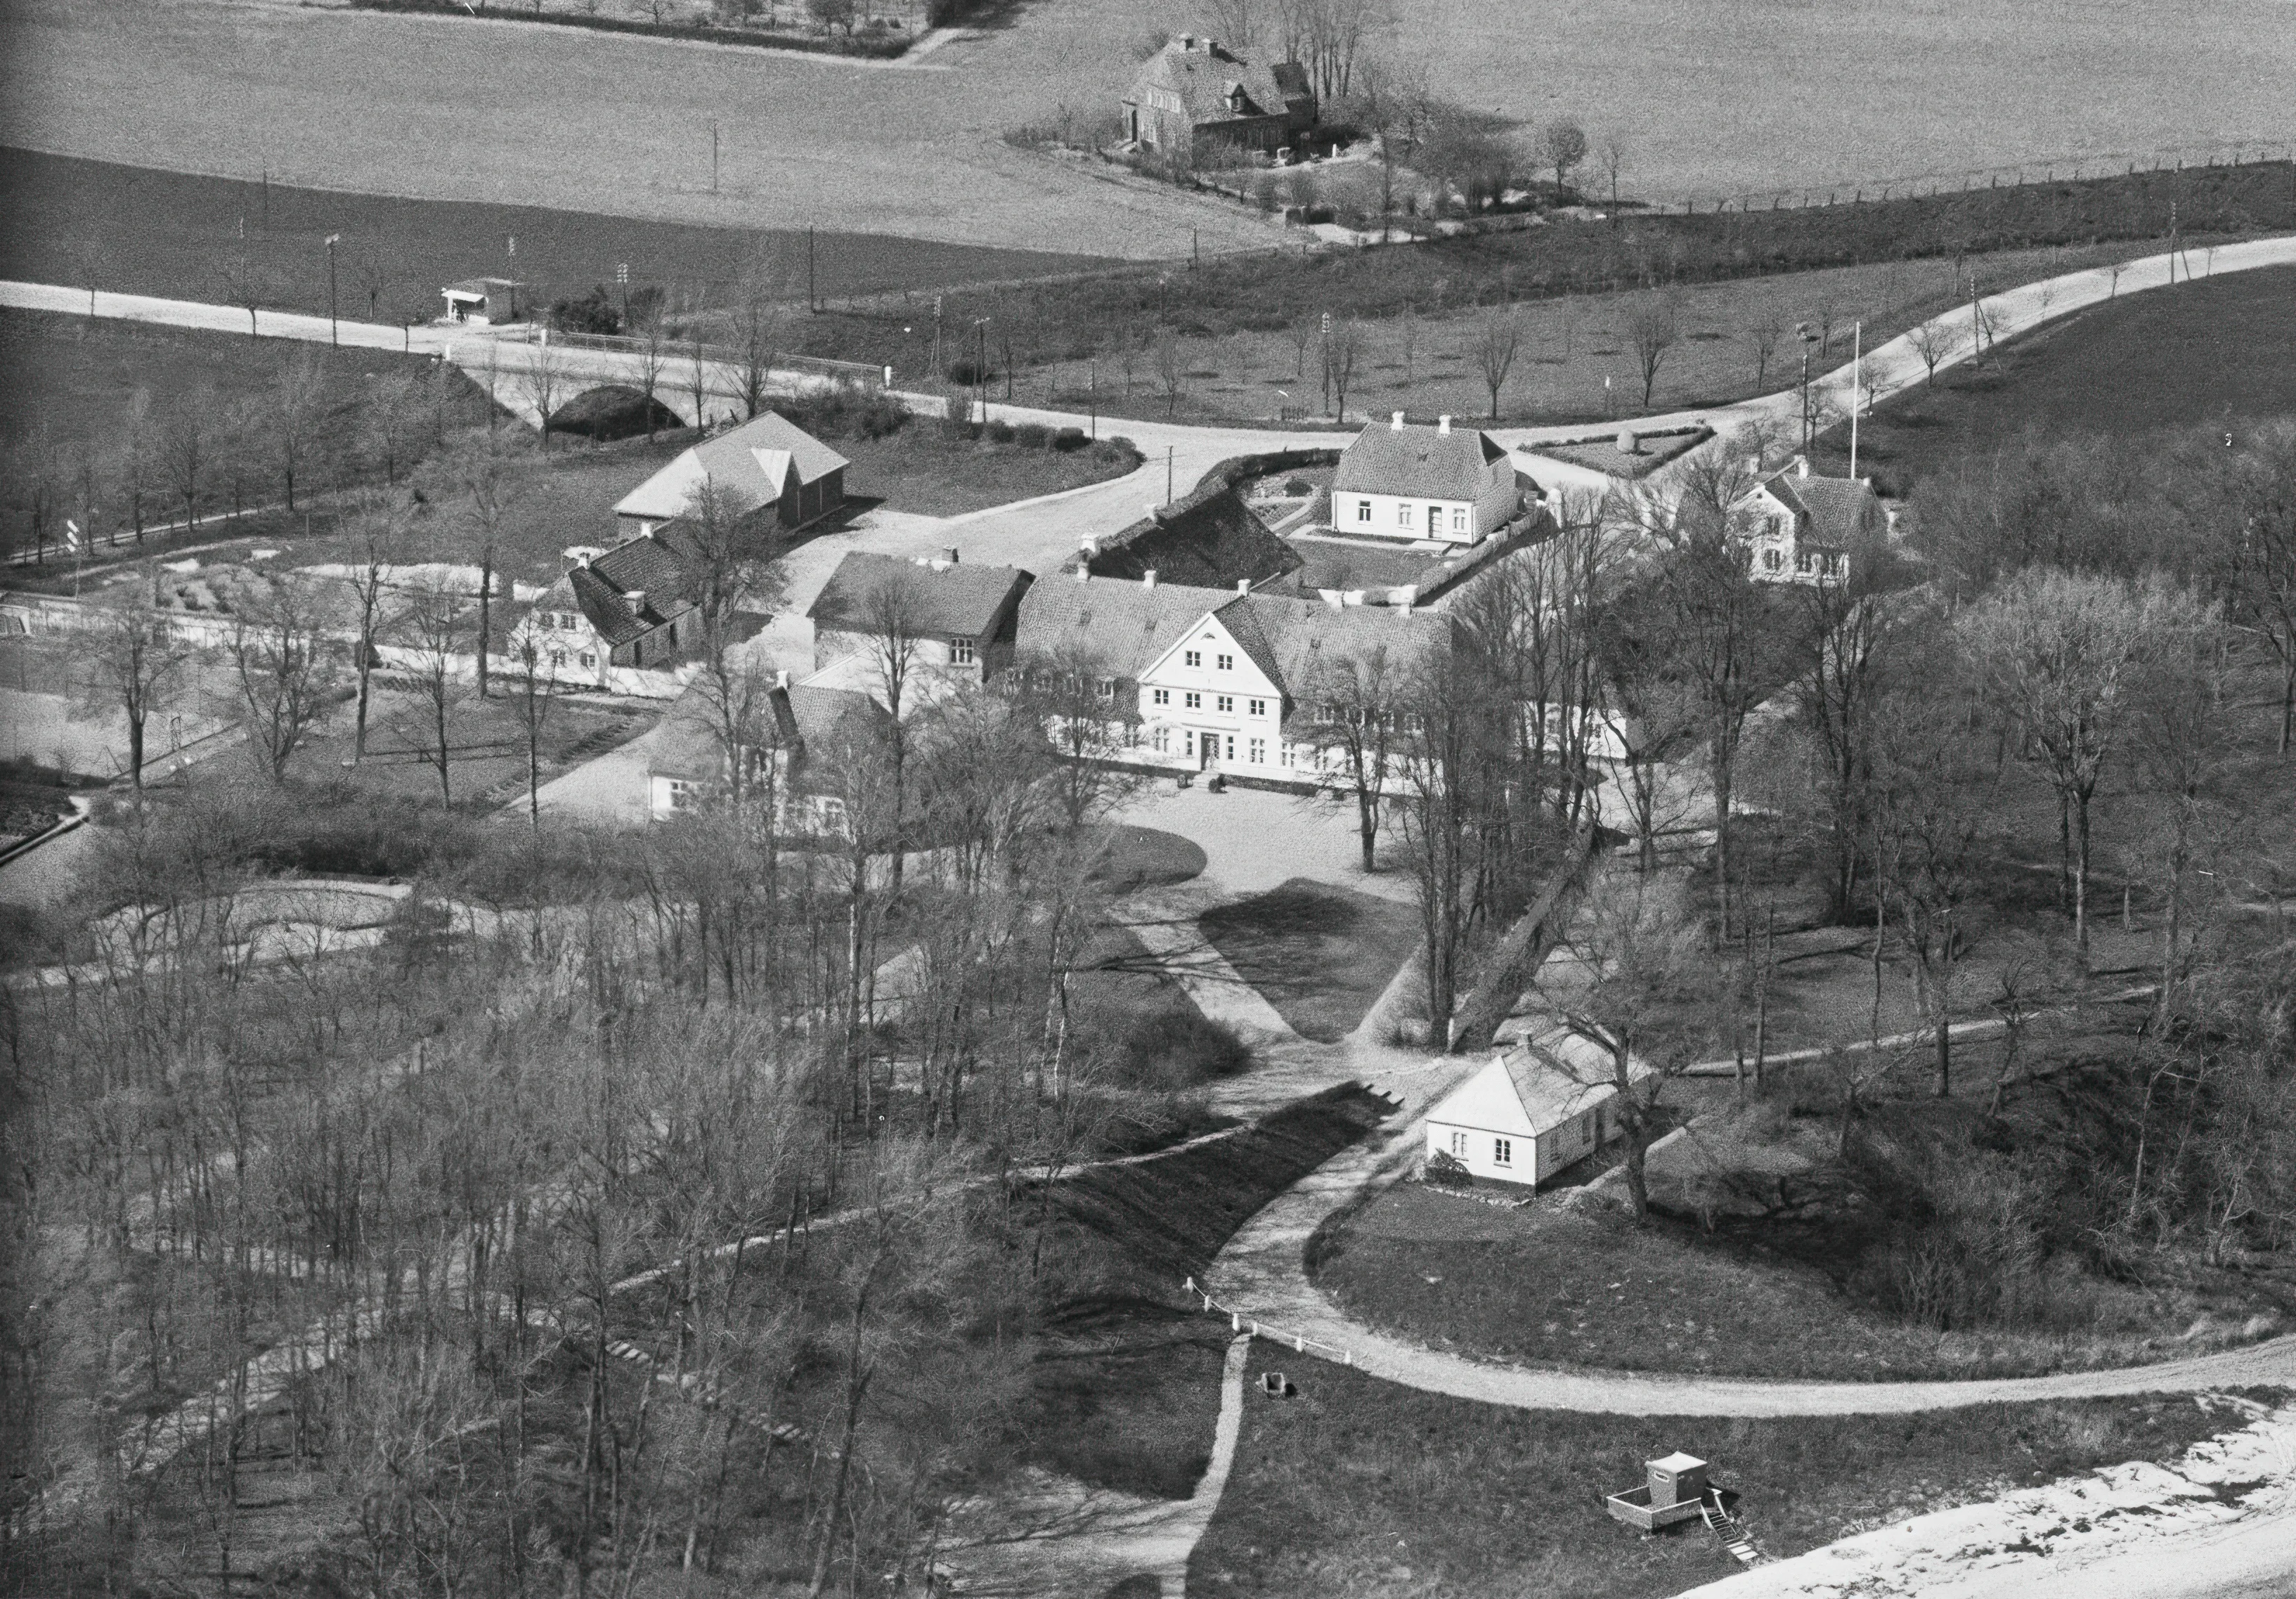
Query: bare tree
(1562,146)
(2060,652)
(136,662)
(1640,967)
(542,383)
(1934,342)
(436,626)
(1234,23)
(1764,335)
(532,699)
(1342,348)
(2257,561)
(379,536)
(1301,331)
(491,483)
(393,418)
(275,650)
(246,286)
(1171,367)
(297,407)
(756,325)
(1359,704)
(1611,150)
(184,441)
(1653,330)
(653,358)
(1498,338)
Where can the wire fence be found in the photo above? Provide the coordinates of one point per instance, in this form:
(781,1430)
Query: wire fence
(862,372)
(1238,1322)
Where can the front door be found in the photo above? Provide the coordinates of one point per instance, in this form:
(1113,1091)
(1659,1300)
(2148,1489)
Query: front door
(1434,522)
(1208,750)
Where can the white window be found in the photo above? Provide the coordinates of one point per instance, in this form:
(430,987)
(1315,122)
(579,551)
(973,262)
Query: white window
(1195,658)
(681,794)
(588,661)
(1833,564)
(1227,663)
(1459,1145)
(960,651)
(1257,754)
(1160,740)
(1502,1152)
(1363,511)
(1402,514)
(1258,707)
(1160,696)
(1225,704)
(1286,755)
(1771,560)
(557,659)
(1801,560)
(1192,701)
(1230,744)
(1458,518)
(1327,715)
(829,812)
(1105,689)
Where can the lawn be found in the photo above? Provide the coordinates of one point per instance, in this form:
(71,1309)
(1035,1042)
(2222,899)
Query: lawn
(572,119)
(1319,954)
(2218,352)
(921,470)
(487,768)
(1358,1486)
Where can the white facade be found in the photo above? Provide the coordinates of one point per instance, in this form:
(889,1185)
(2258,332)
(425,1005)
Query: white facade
(1208,703)
(1395,516)
(1502,1133)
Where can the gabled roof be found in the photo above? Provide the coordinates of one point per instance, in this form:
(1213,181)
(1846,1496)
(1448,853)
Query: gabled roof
(1534,1087)
(1207,538)
(634,587)
(1828,512)
(807,720)
(1127,626)
(945,598)
(1216,85)
(750,463)
(1420,460)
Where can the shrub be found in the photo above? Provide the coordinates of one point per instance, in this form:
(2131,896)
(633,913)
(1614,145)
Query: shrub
(1000,433)
(966,373)
(1178,1048)
(1069,438)
(1446,1169)
(847,411)
(1036,435)
(591,313)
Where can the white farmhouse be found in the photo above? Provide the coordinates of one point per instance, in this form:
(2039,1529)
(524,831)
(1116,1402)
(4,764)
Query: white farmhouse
(1533,1113)
(1409,481)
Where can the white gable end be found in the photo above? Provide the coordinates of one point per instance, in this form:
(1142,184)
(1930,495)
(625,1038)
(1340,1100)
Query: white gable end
(1210,640)
(666,494)
(1484,1102)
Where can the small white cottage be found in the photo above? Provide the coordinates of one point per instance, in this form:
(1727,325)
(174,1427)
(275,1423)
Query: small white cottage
(1530,1114)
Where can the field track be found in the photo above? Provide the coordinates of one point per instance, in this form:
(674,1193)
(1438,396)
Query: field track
(1713,100)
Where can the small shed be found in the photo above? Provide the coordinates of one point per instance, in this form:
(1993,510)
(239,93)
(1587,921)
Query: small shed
(485,300)
(1672,1491)
(1533,1113)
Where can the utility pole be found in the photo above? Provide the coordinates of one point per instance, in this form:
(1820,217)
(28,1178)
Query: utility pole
(267,199)
(981,371)
(333,334)
(1857,386)
(812,301)
(713,155)
(622,278)
(1168,474)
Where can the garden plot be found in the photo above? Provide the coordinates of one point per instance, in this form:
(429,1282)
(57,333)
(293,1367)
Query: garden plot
(1319,954)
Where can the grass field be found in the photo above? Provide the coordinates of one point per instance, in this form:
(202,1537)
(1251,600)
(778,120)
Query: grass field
(2217,353)
(588,123)
(1319,954)
(187,237)
(1357,1487)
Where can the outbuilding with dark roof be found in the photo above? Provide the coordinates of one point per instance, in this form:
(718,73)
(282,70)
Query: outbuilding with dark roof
(959,619)
(1195,93)
(1439,483)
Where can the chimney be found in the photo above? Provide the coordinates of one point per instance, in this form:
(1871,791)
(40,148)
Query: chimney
(952,555)
(1397,424)
(1243,586)
(1084,573)
(1443,424)
(636,598)
(1148,579)
(781,681)
(1801,466)
(1188,41)
(1408,595)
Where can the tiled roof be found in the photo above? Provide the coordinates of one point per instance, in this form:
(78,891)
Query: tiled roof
(1208,538)
(1420,460)
(812,721)
(750,463)
(652,569)
(952,601)
(1831,510)
(1304,634)
(1126,627)
(1216,85)
(1561,1075)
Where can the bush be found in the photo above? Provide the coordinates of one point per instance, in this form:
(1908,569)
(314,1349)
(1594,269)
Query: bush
(847,411)
(1448,1170)
(966,373)
(1000,433)
(1178,1048)
(591,313)
(1036,435)
(1069,439)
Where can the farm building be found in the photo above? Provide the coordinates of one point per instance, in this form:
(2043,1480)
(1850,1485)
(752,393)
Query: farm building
(1196,98)
(769,462)
(629,606)
(1530,1114)
(791,761)
(1409,481)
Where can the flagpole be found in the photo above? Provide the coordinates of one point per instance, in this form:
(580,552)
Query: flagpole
(1857,387)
